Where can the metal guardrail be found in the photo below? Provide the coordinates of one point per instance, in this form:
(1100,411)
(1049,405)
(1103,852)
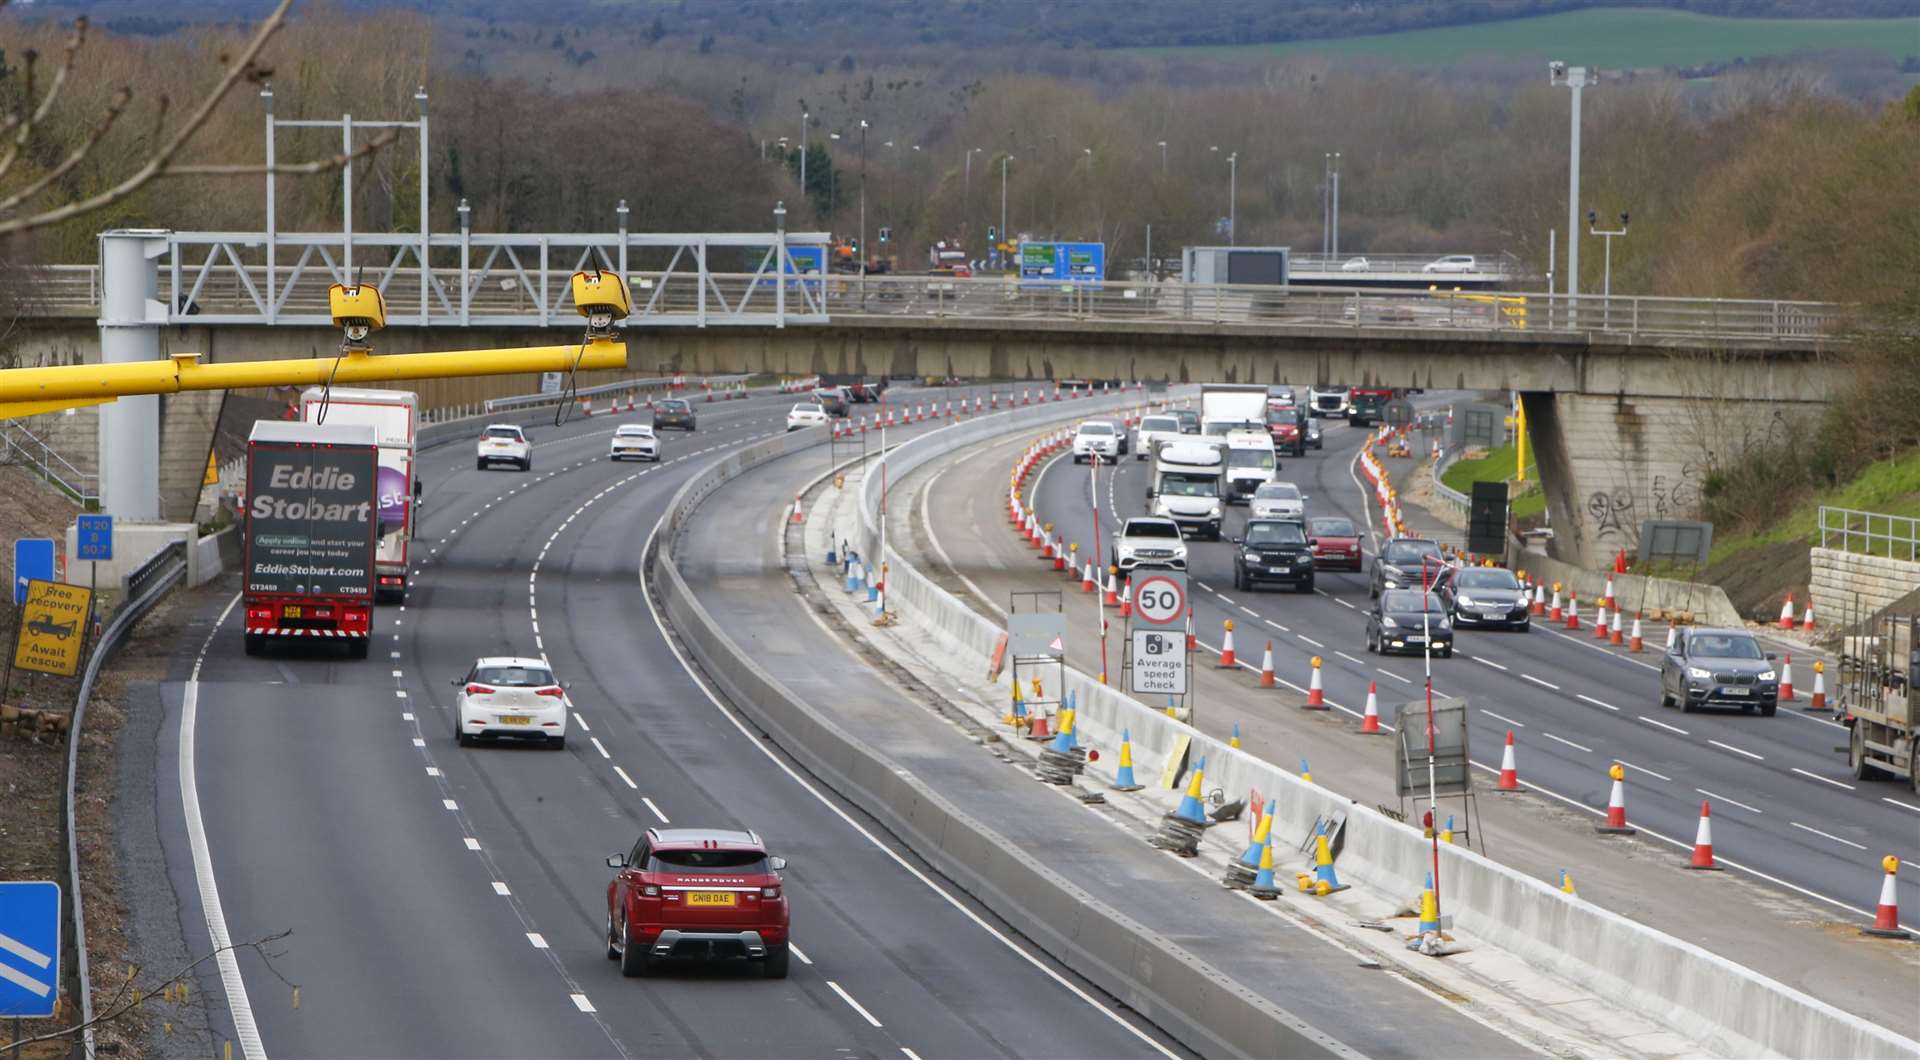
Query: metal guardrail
(22,447)
(1453,497)
(145,586)
(1870,533)
(524,401)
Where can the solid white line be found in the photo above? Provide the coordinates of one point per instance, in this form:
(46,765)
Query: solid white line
(855,1005)
(500,887)
(599,747)
(539,943)
(1502,717)
(238,1007)
(1736,750)
(1662,724)
(1594,701)
(1736,802)
(1537,681)
(1644,769)
(1904,805)
(655,809)
(1483,660)
(1827,835)
(1569,743)
(625,777)
(1821,779)
(580,1002)
(795,949)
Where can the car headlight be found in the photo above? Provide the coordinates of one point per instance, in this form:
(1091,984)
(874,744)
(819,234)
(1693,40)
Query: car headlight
(1698,674)
(1302,559)
(1390,574)
(1387,621)
(1765,675)
(1250,557)
(1214,511)
(1468,601)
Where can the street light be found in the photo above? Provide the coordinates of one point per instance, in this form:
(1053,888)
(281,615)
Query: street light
(833,200)
(1608,234)
(803,155)
(1163,158)
(1004,159)
(966,191)
(1575,78)
(863,202)
(1233,193)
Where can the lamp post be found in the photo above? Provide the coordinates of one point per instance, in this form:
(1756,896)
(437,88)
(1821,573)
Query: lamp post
(1593,218)
(803,155)
(966,191)
(1004,159)
(1575,78)
(1163,158)
(1233,192)
(833,198)
(863,203)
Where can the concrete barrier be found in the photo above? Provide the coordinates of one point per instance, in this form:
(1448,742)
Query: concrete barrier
(1851,585)
(1634,591)
(1725,1006)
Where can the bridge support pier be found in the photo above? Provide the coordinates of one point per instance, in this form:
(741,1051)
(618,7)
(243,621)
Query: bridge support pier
(131,316)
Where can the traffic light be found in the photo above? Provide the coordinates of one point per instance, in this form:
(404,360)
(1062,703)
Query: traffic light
(885,234)
(993,234)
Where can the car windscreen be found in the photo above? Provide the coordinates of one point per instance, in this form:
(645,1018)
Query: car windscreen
(1411,551)
(1160,423)
(1330,527)
(1189,420)
(634,431)
(732,862)
(1250,458)
(1275,534)
(674,405)
(806,408)
(1401,601)
(1487,578)
(1277,491)
(1097,428)
(513,676)
(1150,529)
(1178,485)
(1724,646)
(504,432)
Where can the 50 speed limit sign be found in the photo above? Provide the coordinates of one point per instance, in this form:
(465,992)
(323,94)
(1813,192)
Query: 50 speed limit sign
(1160,598)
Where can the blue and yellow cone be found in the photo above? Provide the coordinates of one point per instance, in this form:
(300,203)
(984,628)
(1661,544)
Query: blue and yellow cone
(1063,739)
(1429,908)
(1123,779)
(1263,886)
(1251,856)
(853,576)
(1325,880)
(1566,882)
(1234,740)
(1305,773)
(1017,717)
(1446,834)
(1190,808)
(873,587)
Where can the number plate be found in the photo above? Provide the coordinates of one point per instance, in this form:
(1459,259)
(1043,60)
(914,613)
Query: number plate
(290,611)
(1736,691)
(515,719)
(1416,639)
(710,898)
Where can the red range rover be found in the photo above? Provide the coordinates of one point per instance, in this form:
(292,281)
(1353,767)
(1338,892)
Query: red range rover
(697,893)
(1336,544)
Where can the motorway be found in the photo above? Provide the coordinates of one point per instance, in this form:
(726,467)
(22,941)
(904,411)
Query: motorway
(1787,813)
(450,902)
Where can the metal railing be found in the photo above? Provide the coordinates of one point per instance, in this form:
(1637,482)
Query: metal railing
(1870,533)
(23,448)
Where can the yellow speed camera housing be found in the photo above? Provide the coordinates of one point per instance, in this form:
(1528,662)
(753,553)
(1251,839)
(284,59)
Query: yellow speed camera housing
(357,306)
(602,298)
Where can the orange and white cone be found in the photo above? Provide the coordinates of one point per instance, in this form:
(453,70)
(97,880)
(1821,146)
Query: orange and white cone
(1819,701)
(798,515)
(1786,612)
(1126,598)
(1193,639)
(1703,842)
(1227,660)
(1316,696)
(1806,619)
(1634,642)
(1786,679)
(1113,590)
(1600,621)
(1558,613)
(1370,721)
(1616,804)
(1606,598)
(1540,599)
(1060,552)
(1086,579)
(1509,776)
(1266,667)
(1614,634)
(1886,918)
(1573,611)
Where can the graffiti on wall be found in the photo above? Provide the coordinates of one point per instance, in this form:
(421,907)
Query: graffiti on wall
(1612,514)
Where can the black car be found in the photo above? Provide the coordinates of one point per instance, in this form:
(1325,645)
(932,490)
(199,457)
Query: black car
(674,412)
(1273,550)
(1485,596)
(1721,668)
(1189,420)
(1405,563)
(1408,620)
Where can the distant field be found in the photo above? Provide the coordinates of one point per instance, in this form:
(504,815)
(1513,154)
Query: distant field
(1610,38)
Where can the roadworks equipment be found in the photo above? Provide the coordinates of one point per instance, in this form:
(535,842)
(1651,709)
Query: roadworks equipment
(1316,696)
(1227,661)
(1616,805)
(1243,870)
(1370,721)
(1703,843)
(1509,776)
(1266,669)
(1323,880)
(1180,831)
(1886,918)
(1786,680)
(1123,777)
(1819,701)
(1263,886)
(1064,759)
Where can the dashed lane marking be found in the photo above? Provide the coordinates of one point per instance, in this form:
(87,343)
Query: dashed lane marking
(855,1005)
(1657,723)
(1502,717)
(655,809)
(1826,835)
(1732,802)
(1542,684)
(500,887)
(1484,661)
(580,1002)
(1736,750)
(1821,779)
(472,843)
(623,776)
(1644,769)
(1569,743)
(1595,702)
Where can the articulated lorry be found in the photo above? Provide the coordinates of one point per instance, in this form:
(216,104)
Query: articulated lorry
(394,416)
(1879,675)
(310,534)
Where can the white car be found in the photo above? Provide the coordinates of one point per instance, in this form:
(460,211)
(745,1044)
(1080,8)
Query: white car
(1154,429)
(635,440)
(504,443)
(1095,440)
(806,414)
(1278,500)
(1355,265)
(510,696)
(1149,541)
(1451,263)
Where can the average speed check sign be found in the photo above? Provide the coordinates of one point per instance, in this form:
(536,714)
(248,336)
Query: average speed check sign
(1160,598)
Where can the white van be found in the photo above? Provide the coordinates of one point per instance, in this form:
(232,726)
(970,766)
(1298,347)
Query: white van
(1251,463)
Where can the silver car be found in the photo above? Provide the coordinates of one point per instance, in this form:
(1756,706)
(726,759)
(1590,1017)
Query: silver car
(1721,668)
(1278,500)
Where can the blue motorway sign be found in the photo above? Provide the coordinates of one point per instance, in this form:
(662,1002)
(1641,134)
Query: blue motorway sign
(32,561)
(1079,262)
(93,537)
(806,261)
(29,948)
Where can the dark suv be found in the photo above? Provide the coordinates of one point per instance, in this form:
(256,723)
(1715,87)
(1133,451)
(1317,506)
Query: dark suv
(1719,667)
(693,893)
(675,412)
(1273,550)
(1484,596)
(1405,563)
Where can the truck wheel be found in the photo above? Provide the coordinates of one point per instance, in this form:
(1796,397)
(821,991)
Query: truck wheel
(1857,756)
(254,643)
(357,648)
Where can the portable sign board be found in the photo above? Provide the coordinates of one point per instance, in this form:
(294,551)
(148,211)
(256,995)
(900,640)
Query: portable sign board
(1160,598)
(1037,633)
(29,949)
(53,627)
(1159,662)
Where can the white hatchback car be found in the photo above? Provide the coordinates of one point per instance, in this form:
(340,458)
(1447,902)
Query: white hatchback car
(806,414)
(1096,440)
(509,696)
(504,443)
(635,440)
(1278,500)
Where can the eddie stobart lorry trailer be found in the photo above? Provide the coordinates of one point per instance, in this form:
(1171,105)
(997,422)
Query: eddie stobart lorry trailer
(310,533)
(394,416)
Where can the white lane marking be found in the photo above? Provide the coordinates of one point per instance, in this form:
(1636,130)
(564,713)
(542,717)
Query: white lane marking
(394,655)
(625,777)
(1502,717)
(399,693)
(1826,835)
(1344,604)
(1736,802)
(1225,599)
(655,809)
(1251,613)
(406,715)
(909,1053)
(450,804)
(539,942)
(433,771)
(397,673)
(794,948)
(598,746)
(1537,681)
(580,1002)
(1595,702)
(472,843)
(238,1007)
(1569,743)
(1661,724)
(855,1005)
(1904,805)
(1310,640)
(1203,585)
(1736,750)
(499,887)
(1483,660)
(418,742)
(1395,676)
(1644,769)
(1276,625)
(1821,779)
(1351,659)
(580,721)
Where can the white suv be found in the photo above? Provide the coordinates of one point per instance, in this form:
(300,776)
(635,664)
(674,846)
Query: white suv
(504,443)
(1154,429)
(1147,541)
(1096,440)
(510,696)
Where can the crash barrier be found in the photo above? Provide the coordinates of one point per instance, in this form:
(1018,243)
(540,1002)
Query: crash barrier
(1726,1007)
(1198,1005)
(534,410)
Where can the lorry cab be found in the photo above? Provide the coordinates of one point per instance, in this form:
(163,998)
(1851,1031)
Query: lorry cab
(1250,463)
(1186,485)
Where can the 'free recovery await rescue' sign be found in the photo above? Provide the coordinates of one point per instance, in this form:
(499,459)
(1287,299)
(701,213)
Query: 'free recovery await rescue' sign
(53,627)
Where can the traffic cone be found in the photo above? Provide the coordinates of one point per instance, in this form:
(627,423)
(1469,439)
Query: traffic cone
(1633,642)
(1540,599)
(1806,617)
(1190,808)
(1446,833)
(1886,918)
(1227,661)
(1429,909)
(1234,740)
(1558,613)
(1060,552)
(798,515)
(1063,739)
(1703,842)
(1325,880)
(1786,680)
(1263,886)
(1370,721)
(1038,729)
(1086,578)
(1193,640)
(1113,588)
(1819,687)
(853,575)
(1606,600)
(1615,636)
(1306,774)
(1566,882)
(1600,622)
(1046,549)
(1123,777)
(1316,696)
(1126,597)
(1266,668)
(1573,610)
(1509,774)
(1786,612)
(1616,805)
(1262,834)
(1016,715)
